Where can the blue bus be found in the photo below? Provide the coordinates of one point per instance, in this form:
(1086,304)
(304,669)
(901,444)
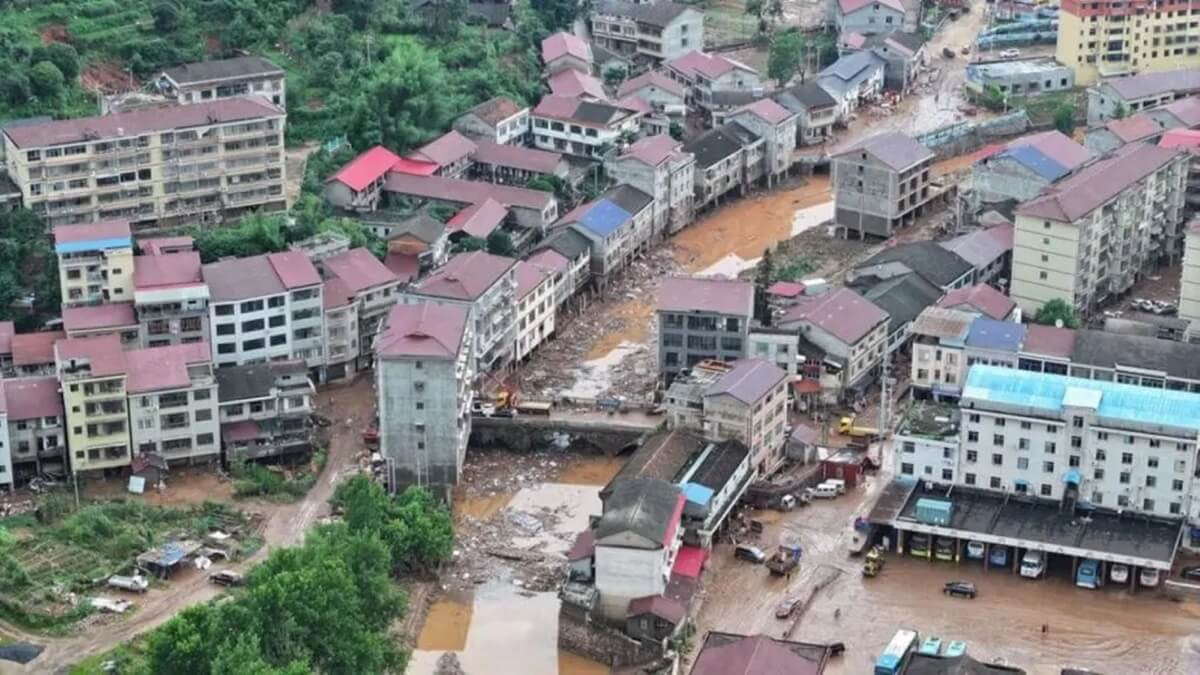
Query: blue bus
(1088,575)
(896,654)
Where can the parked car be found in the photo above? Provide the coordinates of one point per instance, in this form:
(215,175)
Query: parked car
(1148,577)
(1119,573)
(226,578)
(785,608)
(975,550)
(1010,54)
(135,583)
(960,589)
(749,553)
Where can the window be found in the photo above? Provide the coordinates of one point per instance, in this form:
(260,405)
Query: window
(973,418)
(973,436)
(1022,462)
(969,479)
(1052,428)
(906,469)
(252,306)
(1047,467)
(1098,474)
(1129,440)
(1097,498)
(420,405)
(1151,481)
(1147,504)
(999,421)
(418,365)
(1127,458)
(995,482)
(224,310)
(1102,435)
(1124,478)
(1050,447)
(972,456)
(997,459)
(909,447)
(1152,462)
(1023,443)
(1074,461)
(226,347)
(1101,455)
(947,453)
(947,475)
(250,345)
(1026,425)
(276,321)
(204,439)
(277,340)
(1174,508)
(1122,501)
(1076,442)
(1154,443)
(1177,485)
(997,439)
(1077,422)
(1047,489)
(928,470)
(203,415)
(255,324)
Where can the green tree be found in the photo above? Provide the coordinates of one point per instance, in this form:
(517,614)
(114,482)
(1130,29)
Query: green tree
(15,88)
(62,55)
(762,281)
(468,244)
(556,14)
(783,59)
(166,17)
(1056,311)
(500,243)
(46,80)
(553,184)
(406,99)
(1064,118)
(359,11)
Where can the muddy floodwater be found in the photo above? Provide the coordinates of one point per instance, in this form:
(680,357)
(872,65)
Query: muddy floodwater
(1110,630)
(500,627)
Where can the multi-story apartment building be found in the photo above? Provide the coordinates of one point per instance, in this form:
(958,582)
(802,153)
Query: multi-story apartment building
(1122,96)
(582,128)
(154,167)
(1189,284)
(341,330)
(851,330)
(264,410)
(487,285)
(35,439)
(1100,230)
(659,166)
(171,299)
(881,184)
(706,76)
(425,379)
(816,111)
(173,403)
(939,365)
(1022,168)
(95,263)
(499,120)
(265,308)
(655,31)
(224,78)
(868,17)
(372,287)
(728,158)
(1111,38)
(536,307)
(701,319)
(926,443)
(93,377)
(618,225)
(776,125)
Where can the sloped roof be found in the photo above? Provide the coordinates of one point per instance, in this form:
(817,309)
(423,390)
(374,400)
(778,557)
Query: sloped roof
(646,510)
(940,322)
(982,298)
(568,243)
(903,297)
(717,144)
(159,245)
(239,66)
(1133,128)
(768,110)
(495,110)
(1180,138)
(446,149)
(367,168)
(1147,84)
(294,269)
(95,317)
(109,229)
(406,266)
(636,104)
(529,276)
(560,44)
(706,294)
(851,66)
(30,398)
(257,276)
(659,14)
(517,157)
(479,219)
(1186,110)
(661,606)
(7,330)
(601,217)
(421,226)
(1056,146)
(651,78)
(897,150)
(748,381)
(664,455)
(466,276)
(576,110)
(423,329)
(730,654)
(804,96)
(359,270)
(628,197)
(710,66)
(786,289)
(167,270)
(842,313)
(938,265)
(849,6)
(653,150)
(32,349)
(982,247)
(988,333)
(465,191)
(238,383)
(549,259)
(102,352)
(573,83)
(158,368)
(1049,341)
(1097,183)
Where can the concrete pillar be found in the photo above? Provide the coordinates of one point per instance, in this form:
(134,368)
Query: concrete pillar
(987,556)
(1103,574)
(900,542)
(958,546)
(1074,567)
(1133,574)
(1016,561)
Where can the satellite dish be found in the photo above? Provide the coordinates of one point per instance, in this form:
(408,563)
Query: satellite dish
(1058,323)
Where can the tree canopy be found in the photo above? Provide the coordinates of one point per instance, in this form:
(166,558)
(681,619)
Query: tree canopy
(784,57)
(29,288)
(1055,311)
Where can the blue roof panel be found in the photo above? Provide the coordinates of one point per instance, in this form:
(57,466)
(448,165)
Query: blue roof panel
(1038,162)
(698,494)
(605,217)
(1003,336)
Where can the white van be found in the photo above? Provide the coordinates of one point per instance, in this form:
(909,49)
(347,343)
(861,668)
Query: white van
(837,484)
(1033,564)
(825,491)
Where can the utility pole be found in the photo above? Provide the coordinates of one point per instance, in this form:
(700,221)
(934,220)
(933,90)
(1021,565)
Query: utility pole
(885,400)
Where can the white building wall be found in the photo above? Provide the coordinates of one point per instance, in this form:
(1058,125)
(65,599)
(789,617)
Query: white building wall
(182,424)
(926,458)
(6,468)
(536,313)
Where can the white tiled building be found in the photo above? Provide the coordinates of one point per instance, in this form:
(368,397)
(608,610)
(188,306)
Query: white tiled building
(536,308)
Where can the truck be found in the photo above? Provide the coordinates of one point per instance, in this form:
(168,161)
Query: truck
(873,562)
(534,408)
(847,427)
(136,583)
(784,559)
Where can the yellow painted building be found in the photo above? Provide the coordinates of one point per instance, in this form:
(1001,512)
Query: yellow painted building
(95,263)
(92,374)
(1112,38)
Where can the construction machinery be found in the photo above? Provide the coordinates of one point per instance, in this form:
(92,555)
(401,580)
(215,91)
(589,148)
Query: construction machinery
(784,559)
(873,562)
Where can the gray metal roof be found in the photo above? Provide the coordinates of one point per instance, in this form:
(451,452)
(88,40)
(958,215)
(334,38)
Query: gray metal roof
(569,243)
(238,383)
(938,265)
(804,96)
(628,197)
(749,381)
(898,151)
(639,513)
(1108,350)
(205,71)
(903,298)
(714,145)
(659,14)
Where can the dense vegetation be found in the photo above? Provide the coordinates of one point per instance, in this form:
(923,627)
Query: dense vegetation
(373,70)
(29,288)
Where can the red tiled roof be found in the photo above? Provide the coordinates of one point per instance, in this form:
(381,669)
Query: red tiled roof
(584,546)
(93,317)
(423,329)
(170,269)
(405,266)
(336,294)
(729,654)
(158,245)
(842,313)
(414,167)
(246,430)
(769,111)
(110,229)
(987,151)
(141,121)
(549,259)
(466,192)
(1133,128)
(562,44)
(478,220)
(365,169)
(7,330)
(158,368)
(1048,341)
(31,349)
(1180,138)
(636,104)
(526,159)
(989,301)
(32,398)
(706,294)
(573,83)
(651,78)
(1097,183)
(294,269)
(466,276)
(446,149)
(1186,110)
(359,270)
(806,386)
(786,289)
(709,65)
(103,353)
(661,606)
(529,277)
(653,150)
(561,107)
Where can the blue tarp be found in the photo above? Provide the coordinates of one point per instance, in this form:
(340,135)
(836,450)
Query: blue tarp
(1073,476)
(1036,161)
(697,493)
(605,217)
(988,333)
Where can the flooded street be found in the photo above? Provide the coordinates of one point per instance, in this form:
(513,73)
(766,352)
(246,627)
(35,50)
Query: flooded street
(1111,631)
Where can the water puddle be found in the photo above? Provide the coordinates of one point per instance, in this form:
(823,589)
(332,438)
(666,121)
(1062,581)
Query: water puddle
(446,625)
(480,507)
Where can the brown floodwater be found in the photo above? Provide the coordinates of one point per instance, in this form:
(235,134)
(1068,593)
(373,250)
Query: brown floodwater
(590,470)
(1111,630)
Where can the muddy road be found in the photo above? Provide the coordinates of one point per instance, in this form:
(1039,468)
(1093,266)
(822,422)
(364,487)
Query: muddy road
(1111,630)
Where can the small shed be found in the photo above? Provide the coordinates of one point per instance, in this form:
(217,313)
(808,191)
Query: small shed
(581,556)
(845,464)
(802,442)
(165,559)
(654,617)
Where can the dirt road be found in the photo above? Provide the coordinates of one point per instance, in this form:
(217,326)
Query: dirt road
(349,406)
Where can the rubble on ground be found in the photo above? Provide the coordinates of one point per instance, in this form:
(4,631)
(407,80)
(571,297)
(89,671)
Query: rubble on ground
(447,664)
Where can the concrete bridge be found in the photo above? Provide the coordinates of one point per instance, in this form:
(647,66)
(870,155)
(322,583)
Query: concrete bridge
(608,434)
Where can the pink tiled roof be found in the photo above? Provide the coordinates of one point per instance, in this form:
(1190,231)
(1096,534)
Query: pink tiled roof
(549,259)
(526,159)
(849,6)
(635,103)
(93,317)
(651,78)
(496,110)
(32,398)
(1049,341)
(359,270)
(529,277)
(365,169)
(7,330)
(405,266)
(171,269)
(562,107)
(769,111)
(294,269)
(706,294)
(423,329)
(478,220)
(1180,138)
(446,149)
(466,276)
(31,349)
(110,229)
(563,44)
(653,150)
(158,368)
(1057,146)
(842,313)
(989,301)
(1097,183)
(786,289)
(158,245)
(1133,128)
(709,65)
(414,167)
(103,353)
(1187,110)
(336,293)
(466,191)
(853,40)
(572,83)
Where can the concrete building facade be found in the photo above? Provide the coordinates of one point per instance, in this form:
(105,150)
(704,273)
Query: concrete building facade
(264,410)
(1098,39)
(95,263)
(660,167)
(881,184)
(702,319)
(173,403)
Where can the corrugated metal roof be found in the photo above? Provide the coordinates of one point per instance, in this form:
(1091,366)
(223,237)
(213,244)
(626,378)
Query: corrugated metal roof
(988,333)
(604,217)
